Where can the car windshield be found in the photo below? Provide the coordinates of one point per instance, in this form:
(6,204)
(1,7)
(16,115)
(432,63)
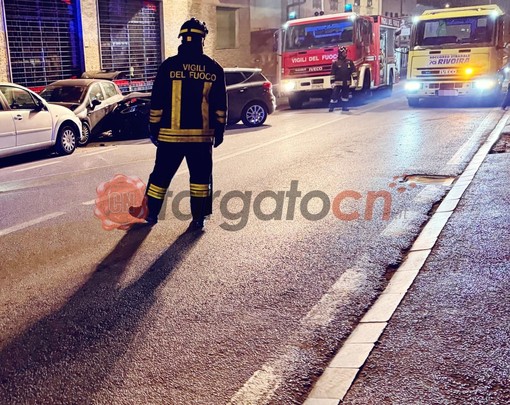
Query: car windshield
(63,94)
(330,33)
(462,30)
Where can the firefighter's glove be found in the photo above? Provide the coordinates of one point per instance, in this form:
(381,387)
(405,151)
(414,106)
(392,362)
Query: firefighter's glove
(218,139)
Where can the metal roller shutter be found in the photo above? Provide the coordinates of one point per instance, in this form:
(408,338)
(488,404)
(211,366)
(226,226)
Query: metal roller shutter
(44,40)
(131,41)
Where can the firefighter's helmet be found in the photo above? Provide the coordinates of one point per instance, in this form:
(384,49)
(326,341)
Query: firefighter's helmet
(192,29)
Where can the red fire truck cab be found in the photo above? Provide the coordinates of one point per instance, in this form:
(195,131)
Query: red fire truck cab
(308,46)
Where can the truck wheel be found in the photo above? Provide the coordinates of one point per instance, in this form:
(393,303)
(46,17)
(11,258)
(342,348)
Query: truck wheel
(295,102)
(413,102)
(66,139)
(365,90)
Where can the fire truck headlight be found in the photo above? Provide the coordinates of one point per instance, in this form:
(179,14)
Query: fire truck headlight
(413,86)
(289,86)
(485,84)
(468,71)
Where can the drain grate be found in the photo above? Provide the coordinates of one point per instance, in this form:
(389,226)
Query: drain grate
(430,179)
(502,145)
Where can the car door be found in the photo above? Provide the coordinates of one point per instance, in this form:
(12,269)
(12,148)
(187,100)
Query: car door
(97,113)
(7,128)
(33,125)
(236,95)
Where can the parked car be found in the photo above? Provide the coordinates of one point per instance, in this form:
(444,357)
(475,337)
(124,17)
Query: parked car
(250,96)
(90,99)
(28,123)
(250,100)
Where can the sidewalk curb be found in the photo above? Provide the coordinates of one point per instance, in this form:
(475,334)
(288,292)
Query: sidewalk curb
(339,375)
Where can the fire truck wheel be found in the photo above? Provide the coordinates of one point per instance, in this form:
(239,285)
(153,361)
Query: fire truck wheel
(295,102)
(413,102)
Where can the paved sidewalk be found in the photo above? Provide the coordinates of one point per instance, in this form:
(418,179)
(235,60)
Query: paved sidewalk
(449,340)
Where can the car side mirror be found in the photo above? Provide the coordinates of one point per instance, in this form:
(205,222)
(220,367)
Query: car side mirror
(94,103)
(39,106)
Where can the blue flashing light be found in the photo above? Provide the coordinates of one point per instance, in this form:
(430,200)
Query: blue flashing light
(348,8)
(292,15)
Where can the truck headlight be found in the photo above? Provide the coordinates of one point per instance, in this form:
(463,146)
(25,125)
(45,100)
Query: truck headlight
(289,86)
(412,86)
(485,84)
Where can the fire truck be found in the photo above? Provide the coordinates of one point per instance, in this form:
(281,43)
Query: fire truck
(308,47)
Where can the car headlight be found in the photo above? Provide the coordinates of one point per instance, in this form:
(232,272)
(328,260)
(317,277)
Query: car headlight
(412,86)
(289,86)
(485,84)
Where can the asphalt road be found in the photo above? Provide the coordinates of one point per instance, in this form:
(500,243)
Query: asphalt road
(248,312)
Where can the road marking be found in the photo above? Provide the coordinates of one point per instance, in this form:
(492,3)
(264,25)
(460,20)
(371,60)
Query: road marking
(464,150)
(24,225)
(399,225)
(39,165)
(98,152)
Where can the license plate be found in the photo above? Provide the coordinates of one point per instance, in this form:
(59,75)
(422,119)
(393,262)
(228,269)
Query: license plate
(448,71)
(447,93)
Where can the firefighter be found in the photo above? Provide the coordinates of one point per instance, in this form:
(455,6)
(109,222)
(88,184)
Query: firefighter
(188,116)
(341,71)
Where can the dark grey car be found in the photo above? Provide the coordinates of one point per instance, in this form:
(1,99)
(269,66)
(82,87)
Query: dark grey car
(250,96)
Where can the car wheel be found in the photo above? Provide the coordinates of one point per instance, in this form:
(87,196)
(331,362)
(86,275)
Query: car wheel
(85,135)
(66,139)
(254,114)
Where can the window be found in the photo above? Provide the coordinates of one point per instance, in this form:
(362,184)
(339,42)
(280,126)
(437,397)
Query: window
(333,5)
(96,93)
(18,99)
(233,78)
(109,89)
(226,26)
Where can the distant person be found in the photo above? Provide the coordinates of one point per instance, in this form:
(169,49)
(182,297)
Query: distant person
(341,71)
(188,116)
(506,101)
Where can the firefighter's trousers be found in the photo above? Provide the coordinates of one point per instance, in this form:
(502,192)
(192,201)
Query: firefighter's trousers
(342,91)
(169,157)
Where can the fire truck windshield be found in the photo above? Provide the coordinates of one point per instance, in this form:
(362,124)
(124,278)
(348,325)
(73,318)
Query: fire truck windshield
(317,35)
(475,31)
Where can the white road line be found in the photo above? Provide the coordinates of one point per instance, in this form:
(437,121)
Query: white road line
(464,150)
(97,152)
(24,225)
(39,165)
(399,225)
(261,386)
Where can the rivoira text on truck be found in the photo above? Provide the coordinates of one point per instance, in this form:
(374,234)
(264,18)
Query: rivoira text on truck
(308,46)
(456,52)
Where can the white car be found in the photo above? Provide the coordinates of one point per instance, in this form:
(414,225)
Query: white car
(28,123)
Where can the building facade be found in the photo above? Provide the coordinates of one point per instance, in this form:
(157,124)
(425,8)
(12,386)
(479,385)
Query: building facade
(46,40)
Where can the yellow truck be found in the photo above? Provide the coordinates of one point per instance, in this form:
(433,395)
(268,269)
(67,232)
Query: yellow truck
(457,52)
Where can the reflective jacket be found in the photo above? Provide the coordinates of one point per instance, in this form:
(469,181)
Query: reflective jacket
(189,99)
(342,70)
